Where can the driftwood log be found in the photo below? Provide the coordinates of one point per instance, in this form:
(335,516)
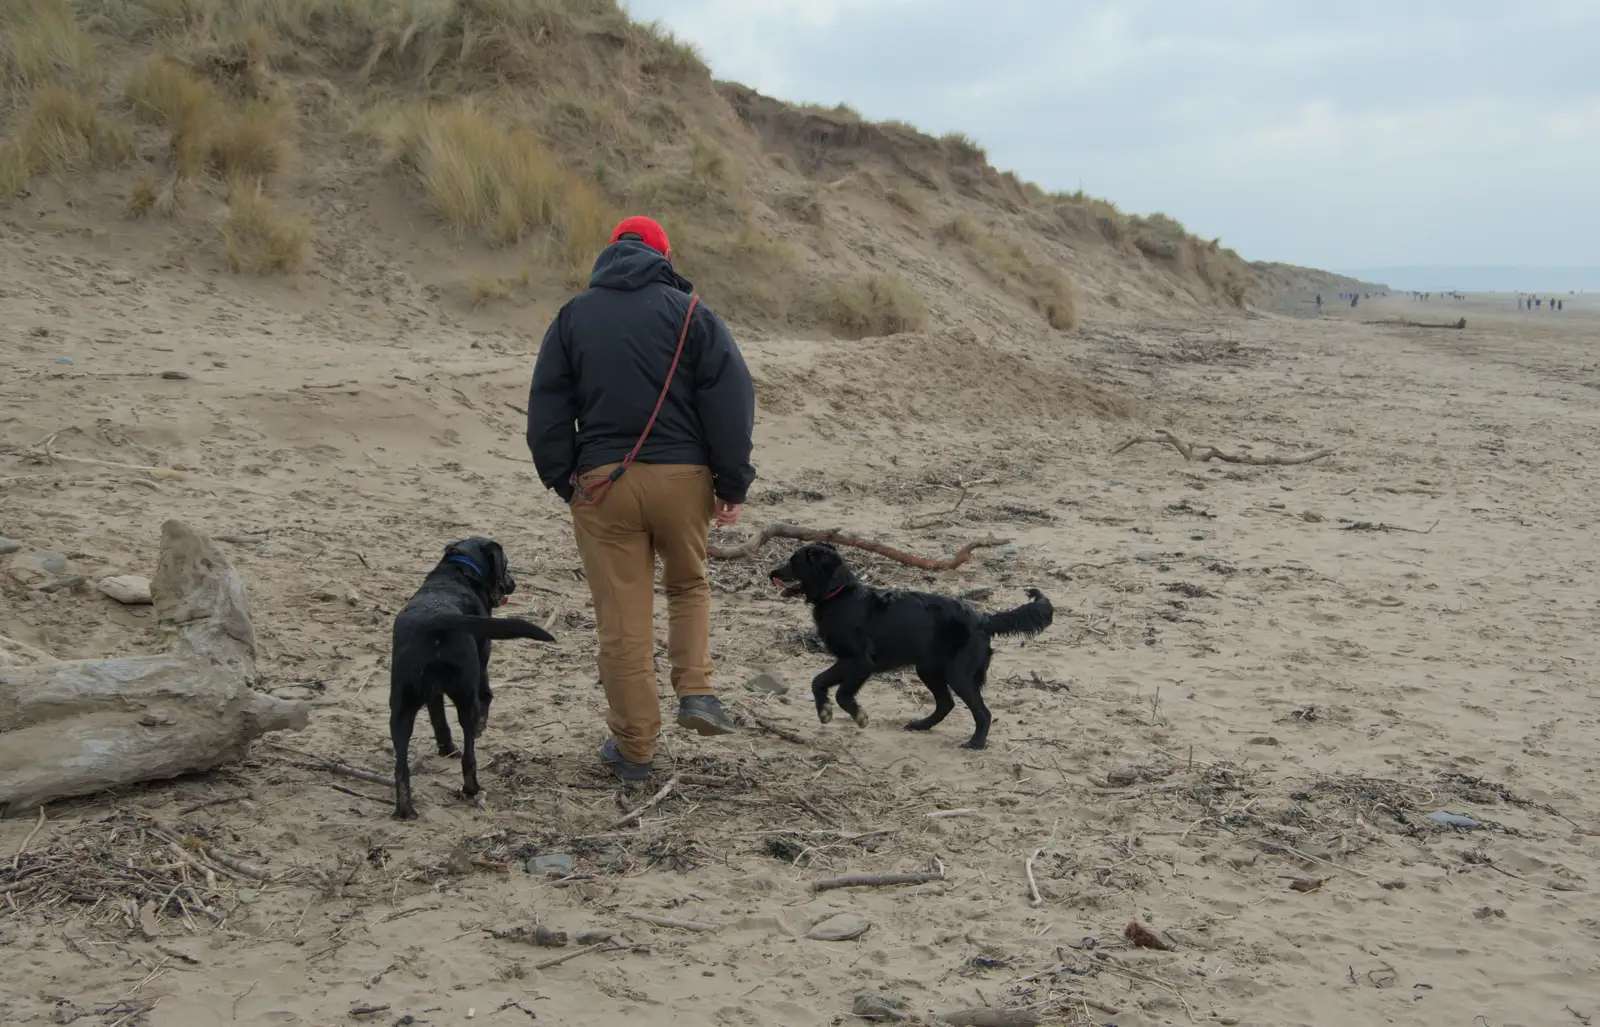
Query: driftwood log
(781,529)
(76,727)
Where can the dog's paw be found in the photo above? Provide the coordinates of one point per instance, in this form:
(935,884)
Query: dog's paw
(860,717)
(918,725)
(973,743)
(404,813)
(825,713)
(449,751)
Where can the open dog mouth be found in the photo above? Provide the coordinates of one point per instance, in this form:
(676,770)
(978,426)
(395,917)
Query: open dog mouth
(787,590)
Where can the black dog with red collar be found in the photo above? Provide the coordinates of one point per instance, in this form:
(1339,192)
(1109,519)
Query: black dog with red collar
(872,630)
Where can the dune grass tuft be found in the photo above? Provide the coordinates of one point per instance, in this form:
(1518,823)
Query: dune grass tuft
(482,177)
(873,305)
(257,236)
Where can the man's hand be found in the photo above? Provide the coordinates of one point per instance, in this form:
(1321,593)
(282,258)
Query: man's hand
(727,513)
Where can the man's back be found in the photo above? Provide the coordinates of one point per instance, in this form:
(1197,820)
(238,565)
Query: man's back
(602,366)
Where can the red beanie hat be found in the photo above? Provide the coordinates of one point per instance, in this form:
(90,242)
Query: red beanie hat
(653,234)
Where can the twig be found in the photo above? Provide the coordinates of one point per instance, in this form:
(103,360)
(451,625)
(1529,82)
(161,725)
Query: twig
(237,865)
(928,520)
(1313,859)
(558,960)
(784,733)
(680,925)
(940,814)
(666,790)
(368,1010)
(334,767)
(16,860)
(875,880)
(780,529)
(1033,885)
(1195,453)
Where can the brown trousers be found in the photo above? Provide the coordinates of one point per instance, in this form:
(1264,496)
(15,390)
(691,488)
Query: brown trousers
(653,509)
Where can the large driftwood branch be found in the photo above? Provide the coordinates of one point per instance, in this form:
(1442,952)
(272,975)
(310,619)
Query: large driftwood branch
(1195,453)
(781,529)
(76,727)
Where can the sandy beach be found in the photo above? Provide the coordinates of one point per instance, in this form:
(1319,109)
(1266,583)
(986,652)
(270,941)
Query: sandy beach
(1260,679)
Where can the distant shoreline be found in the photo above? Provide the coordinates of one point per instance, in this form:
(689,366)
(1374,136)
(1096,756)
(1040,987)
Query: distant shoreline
(1482,279)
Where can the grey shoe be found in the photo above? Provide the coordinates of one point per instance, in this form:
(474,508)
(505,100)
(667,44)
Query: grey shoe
(623,767)
(703,714)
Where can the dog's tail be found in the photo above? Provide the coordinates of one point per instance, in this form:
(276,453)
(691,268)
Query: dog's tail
(1030,618)
(497,628)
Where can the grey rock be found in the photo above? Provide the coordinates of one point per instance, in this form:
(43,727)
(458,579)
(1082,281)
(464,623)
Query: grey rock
(594,936)
(840,927)
(1444,819)
(871,1005)
(30,568)
(9,546)
(63,360)
(767,684)
(553,864)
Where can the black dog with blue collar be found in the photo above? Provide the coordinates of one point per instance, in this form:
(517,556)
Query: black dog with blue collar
(441,650)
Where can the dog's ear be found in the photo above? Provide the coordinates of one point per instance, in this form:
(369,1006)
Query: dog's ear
(502,568)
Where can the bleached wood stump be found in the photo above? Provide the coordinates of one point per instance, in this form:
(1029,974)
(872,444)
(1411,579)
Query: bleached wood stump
(76,727)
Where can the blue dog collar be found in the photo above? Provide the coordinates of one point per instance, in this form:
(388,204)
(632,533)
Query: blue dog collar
(465,562)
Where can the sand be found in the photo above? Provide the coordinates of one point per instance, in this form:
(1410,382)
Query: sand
(1256,674)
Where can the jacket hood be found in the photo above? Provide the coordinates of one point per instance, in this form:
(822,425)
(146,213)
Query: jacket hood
(630,265)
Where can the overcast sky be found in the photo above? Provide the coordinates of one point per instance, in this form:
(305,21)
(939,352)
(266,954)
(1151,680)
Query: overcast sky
(1358,134)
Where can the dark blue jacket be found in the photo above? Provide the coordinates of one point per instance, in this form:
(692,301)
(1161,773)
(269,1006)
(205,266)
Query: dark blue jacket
(603,362)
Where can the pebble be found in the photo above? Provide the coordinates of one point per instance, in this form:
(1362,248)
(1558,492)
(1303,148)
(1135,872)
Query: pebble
(840,927)
(63,360)
(9,546)
(175,376)
(871,1005)
(26,566)
(767,684)
(554,864)
(127,589)
(1123,776)
(1445,819)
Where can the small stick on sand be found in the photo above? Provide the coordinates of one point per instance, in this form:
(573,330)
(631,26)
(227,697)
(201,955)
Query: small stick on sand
(875,880)
(678,925)
(237,865)
(558,960)
(334,767)
(787,734)
(780,529)
(1195,453)
(1037,900)
(940,814)
(666,790)
(16,860)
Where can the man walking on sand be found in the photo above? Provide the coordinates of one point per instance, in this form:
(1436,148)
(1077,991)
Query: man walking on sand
(640,418)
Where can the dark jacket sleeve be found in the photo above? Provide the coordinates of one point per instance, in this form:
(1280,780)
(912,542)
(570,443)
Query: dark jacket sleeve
(725,399)
(553,412)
